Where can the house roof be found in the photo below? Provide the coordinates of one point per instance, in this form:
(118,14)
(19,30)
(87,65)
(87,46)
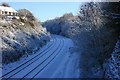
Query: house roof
(9,9)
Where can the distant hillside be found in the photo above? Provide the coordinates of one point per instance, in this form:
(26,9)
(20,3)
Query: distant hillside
(21,36)
(61,25)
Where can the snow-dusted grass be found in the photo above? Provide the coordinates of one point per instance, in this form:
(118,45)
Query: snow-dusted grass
(8,67)
(17,39)
(64,65)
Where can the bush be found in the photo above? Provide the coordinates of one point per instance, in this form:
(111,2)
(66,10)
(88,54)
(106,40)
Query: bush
(5,4)
(95,38)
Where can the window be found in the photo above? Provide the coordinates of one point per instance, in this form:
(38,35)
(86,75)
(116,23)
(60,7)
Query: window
(2,12)
(10,13)
(5,12)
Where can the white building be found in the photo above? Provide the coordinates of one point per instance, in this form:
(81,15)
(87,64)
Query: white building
(7,13)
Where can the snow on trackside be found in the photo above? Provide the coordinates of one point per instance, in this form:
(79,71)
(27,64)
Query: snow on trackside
(8,67)
(65,64)
(69,66)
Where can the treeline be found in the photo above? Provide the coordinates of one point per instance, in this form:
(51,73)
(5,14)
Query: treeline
(94,30)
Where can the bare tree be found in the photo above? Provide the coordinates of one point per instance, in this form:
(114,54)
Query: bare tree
(5,4)
(97,42)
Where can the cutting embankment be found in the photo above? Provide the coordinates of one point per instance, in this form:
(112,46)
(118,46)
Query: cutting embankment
(21,36)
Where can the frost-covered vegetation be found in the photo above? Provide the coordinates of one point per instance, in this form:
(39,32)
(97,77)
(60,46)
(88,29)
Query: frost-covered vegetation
(95,31)
(21,36)
(112,65)
(59,24)
(97,39)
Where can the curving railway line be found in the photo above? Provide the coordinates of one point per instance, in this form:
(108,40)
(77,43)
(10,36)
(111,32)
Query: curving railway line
(28,62)
(43,64)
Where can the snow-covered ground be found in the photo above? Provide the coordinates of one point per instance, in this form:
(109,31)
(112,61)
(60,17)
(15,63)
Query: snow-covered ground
(53,61)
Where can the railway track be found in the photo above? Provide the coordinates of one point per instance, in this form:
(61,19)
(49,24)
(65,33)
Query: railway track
(52,56)
(36,65)
(28,61)
(48,62)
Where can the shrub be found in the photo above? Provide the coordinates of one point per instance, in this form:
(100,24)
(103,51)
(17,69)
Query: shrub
(5,4)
